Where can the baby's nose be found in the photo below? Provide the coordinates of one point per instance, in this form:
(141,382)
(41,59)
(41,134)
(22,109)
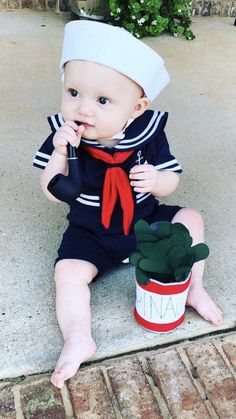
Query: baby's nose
(85,108)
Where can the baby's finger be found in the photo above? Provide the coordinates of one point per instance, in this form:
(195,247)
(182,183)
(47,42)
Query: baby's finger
(139,176)
(69,135)
(71,124)
(73,141)
(141,183)
(143,189)
(142,168)
(66,129)
(80,131)
(60,141)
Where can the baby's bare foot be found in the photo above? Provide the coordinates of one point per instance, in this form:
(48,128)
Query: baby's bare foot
(200,300)
(75,351)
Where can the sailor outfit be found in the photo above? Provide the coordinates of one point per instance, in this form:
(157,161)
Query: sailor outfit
(87,237)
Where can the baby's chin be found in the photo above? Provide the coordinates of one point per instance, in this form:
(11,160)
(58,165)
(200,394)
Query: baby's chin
(107,142)
(111,142)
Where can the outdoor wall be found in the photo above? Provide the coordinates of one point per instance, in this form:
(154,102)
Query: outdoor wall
(34,4)
(215,8)
(201,7)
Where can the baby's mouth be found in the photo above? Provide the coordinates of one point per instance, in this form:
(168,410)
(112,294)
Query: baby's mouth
(85,124)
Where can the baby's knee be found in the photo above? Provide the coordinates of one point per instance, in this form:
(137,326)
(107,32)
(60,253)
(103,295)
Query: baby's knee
(192,219)
(71,269)
(196,218)
(189,216)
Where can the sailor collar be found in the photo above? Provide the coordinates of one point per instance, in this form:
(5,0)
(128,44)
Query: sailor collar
(141,131)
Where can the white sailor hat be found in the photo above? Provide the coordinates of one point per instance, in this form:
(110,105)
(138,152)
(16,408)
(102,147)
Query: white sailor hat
(116,48)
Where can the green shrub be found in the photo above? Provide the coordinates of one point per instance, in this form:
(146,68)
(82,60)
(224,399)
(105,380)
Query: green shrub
(152,17)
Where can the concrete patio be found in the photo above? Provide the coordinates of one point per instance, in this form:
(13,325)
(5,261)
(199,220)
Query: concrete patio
(201,100)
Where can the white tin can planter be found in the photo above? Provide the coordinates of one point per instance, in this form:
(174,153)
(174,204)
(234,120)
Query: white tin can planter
(161,307)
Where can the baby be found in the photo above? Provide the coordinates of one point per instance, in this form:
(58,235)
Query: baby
(109,80)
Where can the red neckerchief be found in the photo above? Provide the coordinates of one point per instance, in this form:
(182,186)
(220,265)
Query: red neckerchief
(116,183)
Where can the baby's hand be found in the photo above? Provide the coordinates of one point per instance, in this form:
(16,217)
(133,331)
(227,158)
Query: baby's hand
(70,133)
(144,178)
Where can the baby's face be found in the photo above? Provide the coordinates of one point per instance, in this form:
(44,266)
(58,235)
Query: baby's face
(100,98)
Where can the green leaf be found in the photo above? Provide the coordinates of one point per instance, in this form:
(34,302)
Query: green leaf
(135,258)
(142,228)
(177,239)
(149,238)
(158,265)
(176,256)
(136,7)
(142,276)
(182,273)
(200,251)
(164,229)
(180,228)
(153,250)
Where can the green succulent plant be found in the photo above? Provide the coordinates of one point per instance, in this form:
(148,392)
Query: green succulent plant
(165,253)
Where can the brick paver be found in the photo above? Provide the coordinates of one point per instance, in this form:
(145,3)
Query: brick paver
(90,396)
(132,391)
(40,400)
(215,377)
(177,386)
(7,403)
(191,380)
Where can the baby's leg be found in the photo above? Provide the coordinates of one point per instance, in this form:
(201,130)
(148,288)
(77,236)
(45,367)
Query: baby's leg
(74,317)
(198,298)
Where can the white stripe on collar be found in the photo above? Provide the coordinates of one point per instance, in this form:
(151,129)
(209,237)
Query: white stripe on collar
(153,124)
(57,121)
(152,120)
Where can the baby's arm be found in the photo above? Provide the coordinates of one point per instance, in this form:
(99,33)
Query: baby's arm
(68,133)
(145,178)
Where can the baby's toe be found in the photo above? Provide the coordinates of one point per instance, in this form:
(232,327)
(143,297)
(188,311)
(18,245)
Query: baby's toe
(58,378)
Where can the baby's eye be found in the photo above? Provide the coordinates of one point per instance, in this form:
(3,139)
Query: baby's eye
(103,100)
(73,92)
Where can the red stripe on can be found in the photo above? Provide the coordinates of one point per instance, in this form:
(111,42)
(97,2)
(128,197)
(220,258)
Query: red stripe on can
(157,327)
(166,289)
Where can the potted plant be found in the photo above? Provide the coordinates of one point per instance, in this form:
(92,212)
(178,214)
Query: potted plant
(163,262)
(152,17)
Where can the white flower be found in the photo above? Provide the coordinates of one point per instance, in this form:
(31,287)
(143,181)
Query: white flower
(137,35)
(141,21)
(154,22)
(179,10)
(133,17)
(118,10)
(141,1)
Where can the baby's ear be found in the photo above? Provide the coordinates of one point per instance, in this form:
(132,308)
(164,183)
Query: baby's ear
(141,106)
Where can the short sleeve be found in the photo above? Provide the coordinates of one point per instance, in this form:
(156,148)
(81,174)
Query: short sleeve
(159,153)
(44,153)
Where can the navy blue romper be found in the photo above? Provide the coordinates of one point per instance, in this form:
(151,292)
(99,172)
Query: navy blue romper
(85,237)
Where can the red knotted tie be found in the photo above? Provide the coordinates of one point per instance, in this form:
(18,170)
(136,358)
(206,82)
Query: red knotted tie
(116,183)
